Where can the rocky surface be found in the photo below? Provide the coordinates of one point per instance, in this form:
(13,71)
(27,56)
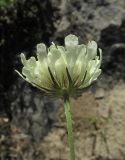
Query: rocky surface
(22,26)
(98,127)
(98,130)
(87,19)
(32,111)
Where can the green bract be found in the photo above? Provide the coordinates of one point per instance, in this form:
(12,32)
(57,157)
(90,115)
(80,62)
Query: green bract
(60,70)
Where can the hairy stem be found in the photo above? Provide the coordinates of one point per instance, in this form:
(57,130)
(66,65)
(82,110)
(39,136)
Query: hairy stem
(69,127)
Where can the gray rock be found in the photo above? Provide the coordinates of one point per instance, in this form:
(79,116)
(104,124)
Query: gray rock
(86,19)
(32,111)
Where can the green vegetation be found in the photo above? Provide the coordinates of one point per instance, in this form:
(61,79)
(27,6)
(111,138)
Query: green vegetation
(6,3)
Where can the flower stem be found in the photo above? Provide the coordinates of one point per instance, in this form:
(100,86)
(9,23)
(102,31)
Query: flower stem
(69,127)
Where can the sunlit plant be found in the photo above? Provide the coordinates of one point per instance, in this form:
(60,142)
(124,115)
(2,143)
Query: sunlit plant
(64,72)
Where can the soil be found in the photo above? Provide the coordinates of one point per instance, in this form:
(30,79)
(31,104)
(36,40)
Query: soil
(99,129)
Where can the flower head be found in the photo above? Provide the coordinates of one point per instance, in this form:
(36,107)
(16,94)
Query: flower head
(61,70)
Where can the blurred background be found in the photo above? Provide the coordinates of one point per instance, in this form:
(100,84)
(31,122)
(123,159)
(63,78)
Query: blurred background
(32,126)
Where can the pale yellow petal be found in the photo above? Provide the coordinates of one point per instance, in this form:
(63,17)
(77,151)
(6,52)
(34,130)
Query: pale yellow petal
(53,55)
(23,59)
(71,40)
(60,69)
(41,51)
(92,49)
